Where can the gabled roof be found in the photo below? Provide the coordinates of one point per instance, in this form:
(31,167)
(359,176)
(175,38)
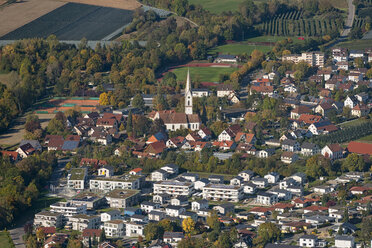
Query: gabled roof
(309,119)
(335,147)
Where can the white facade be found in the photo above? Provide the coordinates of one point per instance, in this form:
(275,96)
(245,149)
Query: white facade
(114,228)
(81,221)
(344,242)
(68,209)
(188,95)
(266,198)
(48,219)
(173,188)
(221,192)
(108,184)
(134,229)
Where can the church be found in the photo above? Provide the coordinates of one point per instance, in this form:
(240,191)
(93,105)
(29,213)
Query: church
(175,121)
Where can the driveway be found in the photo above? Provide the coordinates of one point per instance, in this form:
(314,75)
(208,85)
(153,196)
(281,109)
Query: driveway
(350,19)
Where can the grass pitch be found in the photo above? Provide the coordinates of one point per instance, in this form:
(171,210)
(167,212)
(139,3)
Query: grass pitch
(203,74)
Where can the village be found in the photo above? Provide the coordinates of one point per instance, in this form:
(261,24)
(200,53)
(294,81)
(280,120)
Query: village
(310,208)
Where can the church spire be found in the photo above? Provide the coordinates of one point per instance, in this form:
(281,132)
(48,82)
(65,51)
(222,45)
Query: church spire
(188,94)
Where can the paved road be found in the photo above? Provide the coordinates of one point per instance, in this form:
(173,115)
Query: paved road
(17,236)
(350,19)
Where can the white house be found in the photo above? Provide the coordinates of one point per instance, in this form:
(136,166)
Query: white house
(272,177)
(246,175)
(344,242)
(350,102)
(333,151)
(134,229)
(107,171)
(199,205)
(159,175)
(266,198)
(114,228)
(260,182)
(110,215)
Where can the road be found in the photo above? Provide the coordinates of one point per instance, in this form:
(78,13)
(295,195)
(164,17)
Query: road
(350,19)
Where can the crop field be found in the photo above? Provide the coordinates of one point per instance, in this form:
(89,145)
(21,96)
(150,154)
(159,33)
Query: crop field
(356,44)
(203,74)
(218,6)
(74,21)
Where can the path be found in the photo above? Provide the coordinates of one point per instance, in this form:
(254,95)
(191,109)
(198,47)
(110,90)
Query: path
(17,236)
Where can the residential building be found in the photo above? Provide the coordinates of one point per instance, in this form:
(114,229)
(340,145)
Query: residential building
(333,151)
(199,205)
(309,149)
(221,192)
(225,208)
(312,58)
(344,242)
(67,208)
(289,157)
(290,145)
(110,215)
(76,178)
(266,198)
(173,188)
(48,219)
(159,175)
(80,222)
(120,198)
(134,229)
(173,237)
(147,206)
(119,182)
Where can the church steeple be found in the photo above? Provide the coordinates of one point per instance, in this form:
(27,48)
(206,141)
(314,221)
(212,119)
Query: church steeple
(188,95)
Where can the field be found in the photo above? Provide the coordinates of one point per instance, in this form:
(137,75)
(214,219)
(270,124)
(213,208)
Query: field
(203,74)
(4,241)
(367,139)
(86,105)
(356,44)
(118,4)
(251,44)
(74,21)
(22,12)
(218,6)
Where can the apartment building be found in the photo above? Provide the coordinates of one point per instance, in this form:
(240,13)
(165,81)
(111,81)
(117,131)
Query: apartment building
(114,228)
(68,209)
(120,182)
(312,58)
(76,178)
(48,219)
(174,188)
(120,198)
(82,221)
(222,192)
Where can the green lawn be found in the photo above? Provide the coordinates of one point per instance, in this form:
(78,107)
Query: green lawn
(4,240)
(366,138)
(243,47)
(356,44)
(352,123)
(218,6)
(203,74)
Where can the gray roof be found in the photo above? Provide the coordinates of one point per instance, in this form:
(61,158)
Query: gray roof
(70,145)
(349,238)
(307,145)
(289,142)
(308,237)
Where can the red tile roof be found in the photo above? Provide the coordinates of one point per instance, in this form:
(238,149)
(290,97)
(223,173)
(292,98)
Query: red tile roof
(136,170)
(12,155)
(360,148)
(309,119)
(316,208)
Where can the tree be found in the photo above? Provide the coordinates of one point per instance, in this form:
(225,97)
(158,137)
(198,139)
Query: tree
(104,99)
(102,237)
(153,231)
(213,221)
(267,232)
(346,215)
(188,225)
(353,162)
(74,243)
(138,102)
(56,127)
(40,235)
(32,123)
(31,242)
(129,126)
(369,73)
(317,166)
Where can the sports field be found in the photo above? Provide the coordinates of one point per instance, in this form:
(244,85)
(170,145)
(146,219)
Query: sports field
(74,21)
(62,104)
(261,43)
(203,74)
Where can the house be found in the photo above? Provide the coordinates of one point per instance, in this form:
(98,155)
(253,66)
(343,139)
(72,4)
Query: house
(174,211)
(67,209)
(225,58)
(238,180)
(14,157)
(289,157)
(155,149)
(193,177)
(229,133)
(199,184)
(282,194)
(344,241)
(159,175)
(311,241)
(299,110)
(323,189)
(309,119)
(315,208)
(147,206)
(224,90)
(266,198)
(134,229)
(205,133)
(171,169)
(179,201)
(299,177)
(362,97)
(175,142)
(360,148)
(161,198)
(301,202)
(136,172)
(350,102)
(246,148)
(246,175)
(273,142)
(173,237)
(266,153)
(322,127)
(159,136)
(201,93)
(260,182)
(225,208)
(106,171)
(333,151)
(248,138)
(266,90)
(342,65)
(25,150)
(324,109)
(216,179)
(249,188)
(290,145)
(91,234)
(309,149)
(110,215)
(272,177)
(359,190)
(130,211)
(156,215)
(225,145)
(360,110)
(199,205)
(57,239)
(123,198)
(356,54)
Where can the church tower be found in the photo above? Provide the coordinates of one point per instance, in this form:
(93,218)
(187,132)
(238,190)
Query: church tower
(188,95)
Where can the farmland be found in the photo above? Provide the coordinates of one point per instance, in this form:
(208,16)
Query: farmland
(23,12)
(218,6)
(356,44)
(203,74)
(74,21)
